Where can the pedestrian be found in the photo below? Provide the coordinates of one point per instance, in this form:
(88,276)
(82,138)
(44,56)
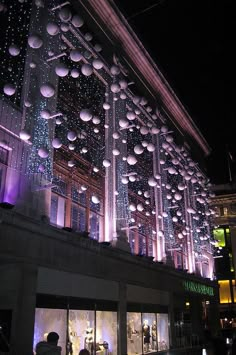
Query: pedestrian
(84,352)
(50,346)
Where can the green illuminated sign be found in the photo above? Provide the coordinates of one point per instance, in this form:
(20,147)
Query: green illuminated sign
(195,287)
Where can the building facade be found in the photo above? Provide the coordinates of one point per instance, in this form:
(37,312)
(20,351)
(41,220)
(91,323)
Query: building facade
(106,229)
(224,203)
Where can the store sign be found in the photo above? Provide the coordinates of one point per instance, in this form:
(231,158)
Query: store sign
(195,287)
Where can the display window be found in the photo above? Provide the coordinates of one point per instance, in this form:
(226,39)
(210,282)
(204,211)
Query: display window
(147,333)
(48,320)
(78,329)
(134,333)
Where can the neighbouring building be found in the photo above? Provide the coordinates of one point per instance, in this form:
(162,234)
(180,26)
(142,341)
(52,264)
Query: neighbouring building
(224,203)
(105,223)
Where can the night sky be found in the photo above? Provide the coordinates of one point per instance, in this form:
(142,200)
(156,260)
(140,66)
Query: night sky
(192,42)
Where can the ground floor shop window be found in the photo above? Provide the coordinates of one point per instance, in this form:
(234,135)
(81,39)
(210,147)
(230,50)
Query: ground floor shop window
(147,332)
(78,329)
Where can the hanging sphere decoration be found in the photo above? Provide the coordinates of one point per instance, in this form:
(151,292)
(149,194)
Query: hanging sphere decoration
(123,123)
(115,70)
(77,21)
(43,152)
(168,186)
(47,90)
(71,146)
(123,84)
(24,135)
(41,168)
(131,159)
(9,89)
(106,106)
(179,213)
(143,101)
(175,219)
(144,144)
(28,103)
(177,196)
(52,29)
(56,143)
(71,163)
(175,161)
(155,130)
(180,236)
(138,149)
(95,199)
(132,178)
(33,65)
(169,138)
(146,194)
(88,36)
(136,100)
(162,161)
(132,207)
(157,176)
(71,136)
(106,163)
(164,129)
(144,130)
(165,214)
(14,50)
(74,73)
(193,180)
(64,27)
(115,88)
(86,115)
(124,180)
(45,114)
(152,181)
(86,69)
(116,135)
(35,41)
(172,170)
(97,64)
(137,111)
(130,115)
(115,152)
(61,70)
(39,3)
(65,14)
(75,55)
(151,147)
(168,196)
(191,210)
(140,207)
(123,96)
(96,120)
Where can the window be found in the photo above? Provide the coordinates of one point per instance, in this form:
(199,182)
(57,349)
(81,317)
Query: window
(57,215)
(78,218)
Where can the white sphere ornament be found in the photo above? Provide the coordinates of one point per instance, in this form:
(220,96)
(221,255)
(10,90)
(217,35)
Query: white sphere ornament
(155,130)
(144,130)
(71,146)
(131,115)
(86,69)
(97,47)
(33,65)
(95,199)
(180,236)
(124,180)
(9,89)
(115,88)
(84,150)
(71,136)
(164,129)
(71,163)
(86,115)
(75,55)
(97,64)
(52,29)
(115,152)
(41,168)
(172,170)
(131,159)
(24,135)
(162,161)
(96,120)
(132,207)
(140,207)
(28,103)
(64,27)
(169,138)
(61,70)
(116,135)
(177,196)
(123,84)
(136,100)
(115,70)
(191,210)
(181,187)
(88,36)
(39,3)
(193,180)
(132,178)
(106,106)
(77,21)
(175,219)
(56,143)
(47,90)
(138,149)
(43,152)
(14,50)
(123,123)
(106,163)
(45,114)
(65,14)
(35,41)
(74,73)
(152,181)
(165,214)
(168,196)
(146,194)
(123,96)
(151,147)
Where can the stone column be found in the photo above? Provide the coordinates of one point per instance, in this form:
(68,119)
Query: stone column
(24,312)
(122,320)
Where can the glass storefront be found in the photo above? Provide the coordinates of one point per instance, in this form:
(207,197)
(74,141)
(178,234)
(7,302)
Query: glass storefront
(78,329)
(147,332)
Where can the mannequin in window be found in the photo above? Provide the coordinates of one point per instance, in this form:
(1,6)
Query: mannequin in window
(89,339)
(154,335)
(146,336)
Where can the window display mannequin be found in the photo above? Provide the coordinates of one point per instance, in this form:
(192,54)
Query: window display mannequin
(146,336)
(154,335)
(133,337)
(89,339)
(73,345)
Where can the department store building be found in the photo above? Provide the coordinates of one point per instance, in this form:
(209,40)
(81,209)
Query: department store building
(105,228)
